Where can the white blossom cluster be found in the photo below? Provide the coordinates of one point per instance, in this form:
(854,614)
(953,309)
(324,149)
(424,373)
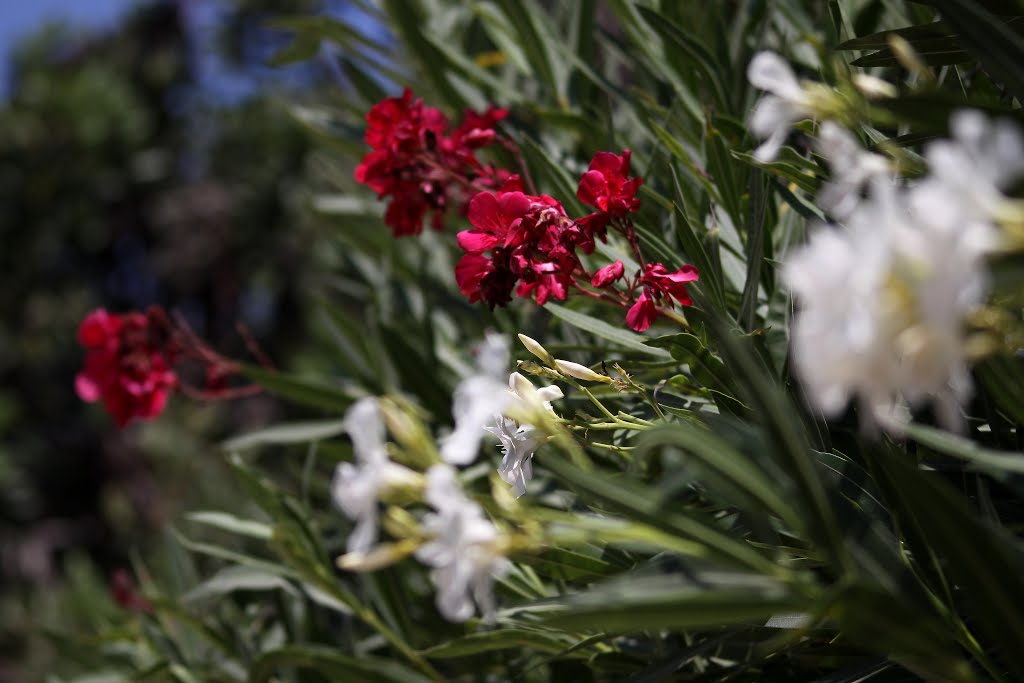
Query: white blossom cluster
(482,402)
(883,294)
(464,548)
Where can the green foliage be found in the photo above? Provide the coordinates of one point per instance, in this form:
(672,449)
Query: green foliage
(691,517)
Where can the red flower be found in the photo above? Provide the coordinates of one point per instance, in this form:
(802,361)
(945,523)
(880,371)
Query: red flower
(658,284)
(476,130)
(642,313)
(674,284)
(127,365)
(487,279)
(531,241)
(401,124)
(605,185)
(607,275)
(419,166)
(126,593)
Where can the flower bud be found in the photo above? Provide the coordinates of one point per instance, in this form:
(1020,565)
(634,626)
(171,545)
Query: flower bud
(381,556)
(607,275)
(536,349)
(580,372)
(874,88)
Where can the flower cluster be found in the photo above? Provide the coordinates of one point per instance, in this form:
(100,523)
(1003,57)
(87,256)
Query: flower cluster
(464,549)
(521,243)
(420,166)
(528,244)
(128,363)
(484,403)
(884,296)
(531,241)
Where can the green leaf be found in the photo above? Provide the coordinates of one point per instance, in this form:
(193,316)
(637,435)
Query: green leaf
(720,457)
(910,636)
(331,663)
(322,27)
(999,49)
(299,390)
(529,24)
(500,639)
(616,335)
(915,35)
(228,522)
(568,565)
(407,16)
(757,243)
(238,578)
(643,505)
(705,367)
(978,557)
(630,604)
(787,436)
(1003,380)
(720,165)
(295,432)
(676,37)
(996,462)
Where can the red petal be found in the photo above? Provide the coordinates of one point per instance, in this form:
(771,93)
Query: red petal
(642,313)
(476,242)
(86,388)
(607,275)
(469,271)
(593,190)
(98,328)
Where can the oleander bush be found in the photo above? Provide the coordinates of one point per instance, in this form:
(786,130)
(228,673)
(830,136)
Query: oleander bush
(673,341)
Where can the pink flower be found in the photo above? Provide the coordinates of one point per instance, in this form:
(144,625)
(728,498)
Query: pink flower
(419,166)
(128,365)
(607,275)
(487,279)
(531,241)
(659,284)
(674,284)
(642,313)
(607,187)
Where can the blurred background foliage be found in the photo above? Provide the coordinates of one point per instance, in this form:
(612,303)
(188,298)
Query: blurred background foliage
(132,176)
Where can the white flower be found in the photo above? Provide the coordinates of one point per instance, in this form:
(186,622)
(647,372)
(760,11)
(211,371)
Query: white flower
(882,307)
(465,550)
(980,160)
(519,440)
(477,399)
(530,396)
(582,372)
(357,488)
(963,192)
(775,113)
(518,444)
(852,168)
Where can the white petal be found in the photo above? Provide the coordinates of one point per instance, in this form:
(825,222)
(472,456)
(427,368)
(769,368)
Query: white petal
(772,115)
(768,71)
(770,148)
(365,427)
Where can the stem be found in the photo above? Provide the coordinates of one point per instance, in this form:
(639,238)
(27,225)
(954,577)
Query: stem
(600,296)
(610,426)
(593,399)
(512,146)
